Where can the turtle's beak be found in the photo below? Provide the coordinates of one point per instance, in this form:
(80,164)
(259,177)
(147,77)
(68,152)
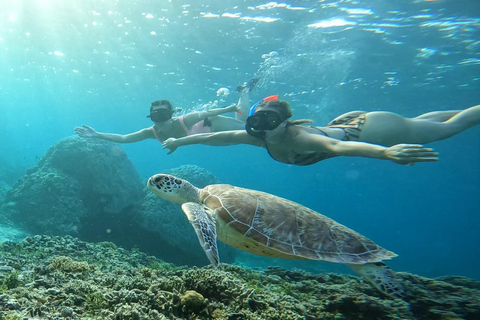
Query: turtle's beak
(155,184)
(155,181)
(150,182)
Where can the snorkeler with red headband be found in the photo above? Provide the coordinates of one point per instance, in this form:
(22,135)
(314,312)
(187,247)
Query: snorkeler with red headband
(380,134)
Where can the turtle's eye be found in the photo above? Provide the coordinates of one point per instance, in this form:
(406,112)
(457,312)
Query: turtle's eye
(157,179)
(177,181)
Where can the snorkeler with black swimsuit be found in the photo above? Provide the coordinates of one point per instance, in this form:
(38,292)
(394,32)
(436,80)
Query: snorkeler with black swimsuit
(380,134)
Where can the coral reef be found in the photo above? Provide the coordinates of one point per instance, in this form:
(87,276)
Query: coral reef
(89,188)
(64,278)
(4,187)
(75,179)
(8,175)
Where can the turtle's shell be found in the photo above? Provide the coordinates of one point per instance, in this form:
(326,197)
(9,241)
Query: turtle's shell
(264,224)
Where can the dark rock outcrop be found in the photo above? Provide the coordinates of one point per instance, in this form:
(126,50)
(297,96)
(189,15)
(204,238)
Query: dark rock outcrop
(90,189)
(76,178)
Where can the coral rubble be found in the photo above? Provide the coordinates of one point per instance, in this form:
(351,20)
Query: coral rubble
(49,277)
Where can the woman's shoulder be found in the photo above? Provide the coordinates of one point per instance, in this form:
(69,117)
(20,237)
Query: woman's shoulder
(294,129)
(147,132)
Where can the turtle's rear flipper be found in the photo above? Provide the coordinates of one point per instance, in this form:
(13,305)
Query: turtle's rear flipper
(381,277)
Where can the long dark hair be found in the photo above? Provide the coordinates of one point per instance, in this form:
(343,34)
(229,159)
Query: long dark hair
(165,103)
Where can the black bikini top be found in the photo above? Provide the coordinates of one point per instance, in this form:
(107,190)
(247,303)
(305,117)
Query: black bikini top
(309,158)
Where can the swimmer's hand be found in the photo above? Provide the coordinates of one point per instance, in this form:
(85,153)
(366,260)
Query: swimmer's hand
(86,132)
(410,153)
(171,144)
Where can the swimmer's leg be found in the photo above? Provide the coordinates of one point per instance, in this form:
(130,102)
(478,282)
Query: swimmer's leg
(438,116)
(243,104)
(386,128)
(221,123)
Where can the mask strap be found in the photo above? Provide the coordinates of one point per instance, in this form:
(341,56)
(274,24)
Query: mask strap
(252,109)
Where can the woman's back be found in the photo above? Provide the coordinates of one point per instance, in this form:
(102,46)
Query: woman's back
(284,150)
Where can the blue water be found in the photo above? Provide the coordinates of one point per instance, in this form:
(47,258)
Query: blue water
(101,63)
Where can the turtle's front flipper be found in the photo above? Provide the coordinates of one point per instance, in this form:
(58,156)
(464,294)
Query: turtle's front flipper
(204,226)
(381,277)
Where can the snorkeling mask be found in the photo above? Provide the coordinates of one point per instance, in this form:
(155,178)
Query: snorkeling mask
(161,114)
(266,119)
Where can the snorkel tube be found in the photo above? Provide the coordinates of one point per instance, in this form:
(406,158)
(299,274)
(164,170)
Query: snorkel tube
(254,107)
(251,131)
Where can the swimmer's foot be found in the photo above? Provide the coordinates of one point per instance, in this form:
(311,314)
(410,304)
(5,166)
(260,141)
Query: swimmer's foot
(252,83)
(248,86)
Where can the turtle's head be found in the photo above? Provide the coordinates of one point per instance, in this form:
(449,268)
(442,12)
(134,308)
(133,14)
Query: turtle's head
(172,188)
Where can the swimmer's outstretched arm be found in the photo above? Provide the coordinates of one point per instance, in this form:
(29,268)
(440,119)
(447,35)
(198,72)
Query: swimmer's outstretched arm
(222,138)
(191,118)
(400,153)
(88,132)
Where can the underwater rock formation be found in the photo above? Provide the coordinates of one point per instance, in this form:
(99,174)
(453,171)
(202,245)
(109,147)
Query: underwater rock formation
(75,179)
(4,187)
(9,174)
(47,277)
(90,189)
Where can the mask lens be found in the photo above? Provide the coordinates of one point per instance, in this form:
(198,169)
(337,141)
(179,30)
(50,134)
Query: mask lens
(160,115)
(254,122)
(264,121)
(272,120)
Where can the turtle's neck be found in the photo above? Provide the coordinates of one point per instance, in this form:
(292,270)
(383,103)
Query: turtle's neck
(191,193)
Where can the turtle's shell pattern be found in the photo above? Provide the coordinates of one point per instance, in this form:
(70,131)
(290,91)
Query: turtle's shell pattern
(286,229)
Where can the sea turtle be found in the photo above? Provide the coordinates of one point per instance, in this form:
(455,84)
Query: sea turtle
(267,225)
